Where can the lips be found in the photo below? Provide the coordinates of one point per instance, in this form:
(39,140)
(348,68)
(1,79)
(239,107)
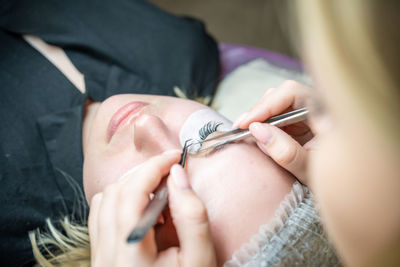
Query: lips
(127,113)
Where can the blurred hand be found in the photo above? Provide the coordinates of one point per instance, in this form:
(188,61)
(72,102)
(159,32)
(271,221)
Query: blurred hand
(288,146)
(115,212)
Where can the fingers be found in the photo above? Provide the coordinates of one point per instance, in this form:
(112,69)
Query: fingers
(114,212)
(107,227)
(275,101)
(154,169)
(285,148)
(137,187)
(282,148)
(191,222)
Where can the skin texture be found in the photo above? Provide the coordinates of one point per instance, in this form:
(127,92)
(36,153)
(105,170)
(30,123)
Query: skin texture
(240,187)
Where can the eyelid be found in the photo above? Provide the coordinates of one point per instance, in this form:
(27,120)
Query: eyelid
(215,149)
(209,152)
(214,134)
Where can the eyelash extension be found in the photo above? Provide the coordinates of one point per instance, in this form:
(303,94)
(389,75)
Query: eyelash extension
(208,128)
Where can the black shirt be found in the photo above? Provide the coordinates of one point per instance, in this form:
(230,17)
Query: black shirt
(121,46)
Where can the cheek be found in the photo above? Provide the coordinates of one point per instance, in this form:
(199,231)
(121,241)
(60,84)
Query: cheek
(100,170)
(241,189)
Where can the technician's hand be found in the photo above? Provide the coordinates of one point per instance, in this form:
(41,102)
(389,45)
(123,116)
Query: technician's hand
(114,213)
(288,146)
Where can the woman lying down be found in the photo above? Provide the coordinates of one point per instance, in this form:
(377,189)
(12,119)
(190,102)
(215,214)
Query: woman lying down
(259,214)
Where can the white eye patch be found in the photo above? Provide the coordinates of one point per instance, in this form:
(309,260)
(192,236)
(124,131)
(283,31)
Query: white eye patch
(199,118)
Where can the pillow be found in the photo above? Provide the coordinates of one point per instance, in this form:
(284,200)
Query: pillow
(240,90)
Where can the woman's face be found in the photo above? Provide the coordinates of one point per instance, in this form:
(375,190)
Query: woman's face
(240,186)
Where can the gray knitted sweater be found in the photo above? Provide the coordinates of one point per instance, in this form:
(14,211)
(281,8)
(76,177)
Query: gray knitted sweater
(293,238)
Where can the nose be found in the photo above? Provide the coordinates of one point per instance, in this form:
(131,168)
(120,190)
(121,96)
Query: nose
(152,136)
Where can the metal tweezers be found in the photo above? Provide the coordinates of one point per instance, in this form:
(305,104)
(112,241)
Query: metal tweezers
(160,200)
(238,134)
(157,204)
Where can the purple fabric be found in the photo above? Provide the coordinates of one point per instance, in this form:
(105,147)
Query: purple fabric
(233,55)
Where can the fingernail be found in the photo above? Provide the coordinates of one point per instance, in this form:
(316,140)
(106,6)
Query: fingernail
(260,132)
(179,177)
(172,151)
(239,120)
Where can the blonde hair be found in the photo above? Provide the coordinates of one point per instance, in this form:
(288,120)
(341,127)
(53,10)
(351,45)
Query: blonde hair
(361,39)
(67,247)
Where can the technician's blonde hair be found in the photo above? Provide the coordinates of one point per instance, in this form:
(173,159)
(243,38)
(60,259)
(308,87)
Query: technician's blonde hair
(360,39)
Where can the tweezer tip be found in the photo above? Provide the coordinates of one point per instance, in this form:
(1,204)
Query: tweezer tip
(136,236)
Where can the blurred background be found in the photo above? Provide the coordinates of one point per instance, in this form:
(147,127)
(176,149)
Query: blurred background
(260,23)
